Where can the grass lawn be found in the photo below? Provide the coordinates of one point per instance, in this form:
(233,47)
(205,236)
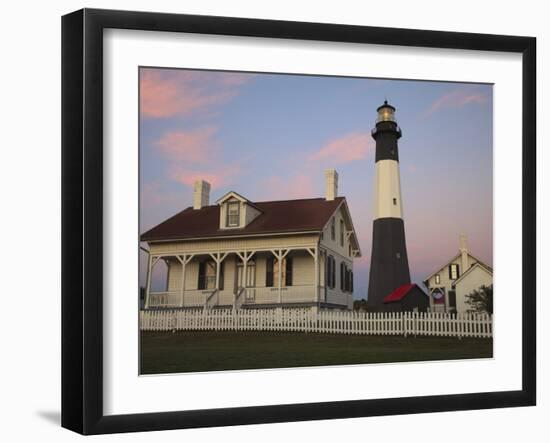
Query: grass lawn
(167,352)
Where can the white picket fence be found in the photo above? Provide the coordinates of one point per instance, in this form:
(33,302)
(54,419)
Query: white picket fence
(307,320)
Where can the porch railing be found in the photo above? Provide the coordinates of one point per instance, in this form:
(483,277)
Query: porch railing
(168,299)
(289,294)
(255,295)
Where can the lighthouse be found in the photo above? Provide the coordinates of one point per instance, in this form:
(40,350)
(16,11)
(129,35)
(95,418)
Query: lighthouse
(389,268)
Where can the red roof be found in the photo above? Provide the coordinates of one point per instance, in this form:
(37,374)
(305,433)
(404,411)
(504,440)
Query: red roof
(399,293)
(307,215)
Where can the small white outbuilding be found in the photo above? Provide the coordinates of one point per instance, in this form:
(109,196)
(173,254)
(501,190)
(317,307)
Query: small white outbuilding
(460,276)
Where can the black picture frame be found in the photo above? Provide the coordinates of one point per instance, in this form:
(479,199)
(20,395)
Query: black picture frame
(82,219)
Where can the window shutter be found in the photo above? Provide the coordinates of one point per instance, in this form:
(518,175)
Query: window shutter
(202,277)
(328,271)
(222,267)
(269,272)
(288,272)
(333,273)
(351,280)
(342,278)
(450,272)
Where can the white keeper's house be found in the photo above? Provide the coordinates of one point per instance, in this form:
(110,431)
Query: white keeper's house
(460,276)
(243,254)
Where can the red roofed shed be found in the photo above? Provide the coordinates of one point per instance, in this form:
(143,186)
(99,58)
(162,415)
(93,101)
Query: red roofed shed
(407,297)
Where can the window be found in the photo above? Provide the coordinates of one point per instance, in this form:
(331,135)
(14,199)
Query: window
(342,231)
(233,214)
(272,272)
(437,279)
(332,229)
(454,271)
(207,275)
(349,249)
(346,278)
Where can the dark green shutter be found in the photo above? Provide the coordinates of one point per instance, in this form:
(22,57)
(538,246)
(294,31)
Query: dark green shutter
(222,267)
(288,272)
(269,272)
(333,273)
(202,275)
(327,271)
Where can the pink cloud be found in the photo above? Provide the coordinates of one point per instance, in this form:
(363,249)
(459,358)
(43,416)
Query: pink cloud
(167,93)
(345,149)
(456,99)
(197,146)
(297,186)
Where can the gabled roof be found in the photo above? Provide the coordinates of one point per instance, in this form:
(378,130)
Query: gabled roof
(399,293)
(476,265)
(285,216)
(452,260)
(235,195)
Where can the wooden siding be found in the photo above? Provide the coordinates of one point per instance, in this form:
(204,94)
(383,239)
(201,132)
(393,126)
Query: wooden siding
(476,278)
(234,244)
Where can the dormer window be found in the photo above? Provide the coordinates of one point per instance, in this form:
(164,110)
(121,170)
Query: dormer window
(236,212)
(233,214)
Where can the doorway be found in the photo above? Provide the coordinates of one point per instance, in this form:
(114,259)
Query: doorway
(248,281)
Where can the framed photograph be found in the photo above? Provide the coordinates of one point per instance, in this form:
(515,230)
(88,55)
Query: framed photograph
(268,221)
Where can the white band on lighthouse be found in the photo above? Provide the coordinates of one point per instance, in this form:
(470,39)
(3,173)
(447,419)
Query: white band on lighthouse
(387,190)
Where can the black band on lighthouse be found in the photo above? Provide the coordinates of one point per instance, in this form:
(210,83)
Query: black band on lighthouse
(389,266)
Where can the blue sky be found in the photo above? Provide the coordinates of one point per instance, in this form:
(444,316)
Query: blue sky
(270,136)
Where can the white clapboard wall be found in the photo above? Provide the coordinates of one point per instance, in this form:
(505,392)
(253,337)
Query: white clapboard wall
(307,320)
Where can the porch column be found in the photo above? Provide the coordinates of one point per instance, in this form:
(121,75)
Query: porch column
(244,256)
(280,254)
(150,266)
(280,276)
(184,260)
(316,284)
(314,252)
(218,258)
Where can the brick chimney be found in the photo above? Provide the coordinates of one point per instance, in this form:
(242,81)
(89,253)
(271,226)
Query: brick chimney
(201,194)
(464,252)
(331,183)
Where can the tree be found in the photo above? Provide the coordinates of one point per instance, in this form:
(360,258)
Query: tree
(481,300)
(360,305)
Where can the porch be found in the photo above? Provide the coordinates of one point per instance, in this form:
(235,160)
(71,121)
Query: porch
(244,279)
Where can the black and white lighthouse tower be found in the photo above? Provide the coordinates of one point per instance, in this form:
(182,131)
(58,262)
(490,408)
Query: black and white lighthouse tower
(389,268)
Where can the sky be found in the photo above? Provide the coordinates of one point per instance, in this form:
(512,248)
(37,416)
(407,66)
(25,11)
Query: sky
(271,136)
